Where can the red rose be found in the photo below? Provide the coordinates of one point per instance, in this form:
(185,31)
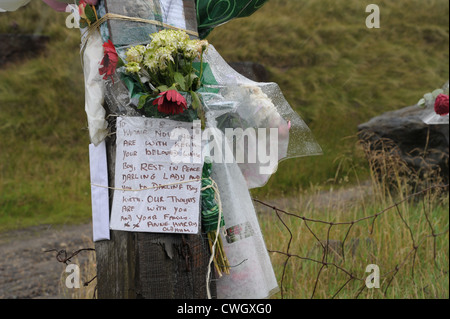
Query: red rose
(441,104)
(82,9)
(109,61)
(171,102)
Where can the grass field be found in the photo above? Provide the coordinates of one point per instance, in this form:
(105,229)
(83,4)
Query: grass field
(333,70)
(321,249)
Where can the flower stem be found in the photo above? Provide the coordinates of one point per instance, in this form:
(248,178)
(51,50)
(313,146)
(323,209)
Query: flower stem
(142,84)
(201,68)
(95,12)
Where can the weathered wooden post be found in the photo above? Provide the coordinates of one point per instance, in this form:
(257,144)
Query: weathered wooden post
(149,265)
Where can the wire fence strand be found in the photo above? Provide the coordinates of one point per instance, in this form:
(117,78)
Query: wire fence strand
(324,262)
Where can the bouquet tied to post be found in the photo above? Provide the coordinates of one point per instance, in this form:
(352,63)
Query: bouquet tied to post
(163,77)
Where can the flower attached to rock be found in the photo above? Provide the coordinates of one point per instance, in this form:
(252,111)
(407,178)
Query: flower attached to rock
(441,105)
(171,102)
(110,60)
(87,11)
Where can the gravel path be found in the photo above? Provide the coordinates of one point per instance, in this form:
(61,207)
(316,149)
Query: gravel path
(28,271)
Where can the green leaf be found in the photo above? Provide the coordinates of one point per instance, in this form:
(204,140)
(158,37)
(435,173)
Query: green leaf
(83,23)
(190,78)
(142,101)
(179,79)
(196,104)
(120,63)
(90,14)
(421,103)
(163,88)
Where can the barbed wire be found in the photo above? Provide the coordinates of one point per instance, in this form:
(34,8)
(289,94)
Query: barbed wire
(326,247)
(63,257)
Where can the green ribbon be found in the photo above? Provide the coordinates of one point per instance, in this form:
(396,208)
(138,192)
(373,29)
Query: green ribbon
(212,13)
(210,208)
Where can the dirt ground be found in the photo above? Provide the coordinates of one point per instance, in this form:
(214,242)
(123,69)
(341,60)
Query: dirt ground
(28,271)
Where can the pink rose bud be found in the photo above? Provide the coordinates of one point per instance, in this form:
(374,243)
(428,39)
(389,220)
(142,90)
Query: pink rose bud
(441,105)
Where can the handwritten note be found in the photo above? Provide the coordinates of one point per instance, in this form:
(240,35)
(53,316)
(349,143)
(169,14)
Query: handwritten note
(154,193)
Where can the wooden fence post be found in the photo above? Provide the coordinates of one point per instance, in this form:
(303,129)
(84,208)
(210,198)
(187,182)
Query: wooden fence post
(151,266)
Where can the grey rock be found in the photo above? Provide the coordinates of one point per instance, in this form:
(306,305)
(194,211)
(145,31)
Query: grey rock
(401,133)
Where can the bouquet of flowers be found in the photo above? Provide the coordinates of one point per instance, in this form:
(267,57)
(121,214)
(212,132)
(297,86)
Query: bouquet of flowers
(438,100)
(163,76)
(435,105)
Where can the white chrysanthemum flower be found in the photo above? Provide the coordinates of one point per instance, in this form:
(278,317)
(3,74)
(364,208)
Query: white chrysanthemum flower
(150,61)
(133,67)
(164,55)
(166,38)
(191,50)
(151,65)
(134,54)
(180,45)
(140,48)
(178,35)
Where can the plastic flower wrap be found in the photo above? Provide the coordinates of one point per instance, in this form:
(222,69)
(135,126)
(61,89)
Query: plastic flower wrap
(436,107)
(255,115)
